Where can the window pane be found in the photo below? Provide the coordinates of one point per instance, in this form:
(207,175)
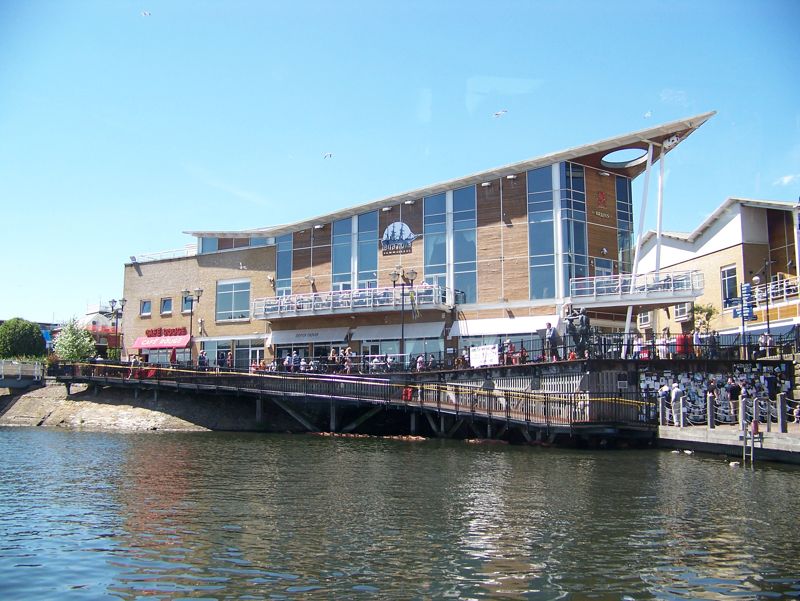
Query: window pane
(368,256)
(368,222)
(464,244)
(342,226)
(435,204)
(464,199)
(435,250)
(543,282)
(467,284)
(541,238)
(540,180)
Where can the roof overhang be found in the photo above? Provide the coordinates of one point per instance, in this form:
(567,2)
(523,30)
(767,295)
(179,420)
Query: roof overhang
(590,155)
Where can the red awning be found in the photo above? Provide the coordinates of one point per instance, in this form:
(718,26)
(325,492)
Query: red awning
(161,342)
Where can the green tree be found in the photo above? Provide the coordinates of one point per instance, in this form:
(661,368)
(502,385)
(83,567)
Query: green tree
(703,314)
(74,343)
(19,338)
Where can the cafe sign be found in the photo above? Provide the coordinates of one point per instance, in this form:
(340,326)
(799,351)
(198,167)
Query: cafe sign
(397,239)
(159,332)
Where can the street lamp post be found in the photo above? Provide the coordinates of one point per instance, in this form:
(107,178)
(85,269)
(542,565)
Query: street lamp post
(188,296)
(409,276)
(117,312)
(768,284)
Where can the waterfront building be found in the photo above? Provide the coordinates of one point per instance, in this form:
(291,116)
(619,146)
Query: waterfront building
(491,257)
(742,242)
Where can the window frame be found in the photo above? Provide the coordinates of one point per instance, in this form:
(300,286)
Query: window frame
(165,300)
(149,304)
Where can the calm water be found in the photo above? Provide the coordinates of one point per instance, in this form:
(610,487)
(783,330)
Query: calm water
(233,516)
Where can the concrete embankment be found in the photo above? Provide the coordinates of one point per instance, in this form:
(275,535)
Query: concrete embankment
(116,409)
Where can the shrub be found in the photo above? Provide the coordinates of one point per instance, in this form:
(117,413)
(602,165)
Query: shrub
(20,337)
(74,343)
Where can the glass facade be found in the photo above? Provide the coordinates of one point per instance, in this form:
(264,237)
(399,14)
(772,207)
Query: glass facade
(283,269)
(434,236)
(233,300)
(465,245)
(368,239)
(342,253)
(624,224)
(573,222)
(541,237)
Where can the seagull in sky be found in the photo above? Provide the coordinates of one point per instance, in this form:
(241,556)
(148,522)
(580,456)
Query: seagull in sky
(327,155)
(145,13)
(648,114)
(500,113)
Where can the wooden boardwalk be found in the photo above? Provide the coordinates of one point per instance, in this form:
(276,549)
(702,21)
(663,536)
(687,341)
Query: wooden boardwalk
(585,411)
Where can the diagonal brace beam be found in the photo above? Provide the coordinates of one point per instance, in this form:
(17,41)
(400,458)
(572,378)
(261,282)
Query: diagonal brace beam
(297,416)
(361,419)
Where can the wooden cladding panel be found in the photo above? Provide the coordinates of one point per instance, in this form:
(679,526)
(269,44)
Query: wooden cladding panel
(515,200)
(488,201)
(601,215)
(411,215)
(516,278)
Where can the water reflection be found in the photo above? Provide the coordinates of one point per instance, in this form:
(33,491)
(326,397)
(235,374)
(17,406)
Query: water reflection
(91,515)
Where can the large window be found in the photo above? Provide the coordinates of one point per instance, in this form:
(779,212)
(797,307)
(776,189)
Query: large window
(368,250)
(283,269)
(624,224)
(573,222)
(233,300)
(465,245)
(729,285)
(434,231)
(342,249)
(210,245)
(541,238)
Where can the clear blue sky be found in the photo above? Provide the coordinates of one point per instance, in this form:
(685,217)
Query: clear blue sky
(123,123)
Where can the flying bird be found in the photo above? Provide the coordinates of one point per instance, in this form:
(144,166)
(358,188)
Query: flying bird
(327,155)
(145,13)
(500,113)
(648,114)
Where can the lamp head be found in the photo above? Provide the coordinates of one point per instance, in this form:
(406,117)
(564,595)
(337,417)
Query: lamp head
(113,304)
(394,276)
(756,280)
(411,275)
(198,292)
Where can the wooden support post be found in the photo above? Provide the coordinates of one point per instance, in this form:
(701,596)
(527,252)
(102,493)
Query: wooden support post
(259,410)
(332,416)
(155,395)
(783,428)
(413,426)
(489,428)
(710,410)
(66,385)
(136,392)
(525,434)
(679,421)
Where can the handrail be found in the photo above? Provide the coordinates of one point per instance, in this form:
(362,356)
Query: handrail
(531,407)
(348,300)
(661,283)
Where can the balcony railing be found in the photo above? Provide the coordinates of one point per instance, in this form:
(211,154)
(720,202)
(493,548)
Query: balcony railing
(782,291)
(646,285)
(350,301)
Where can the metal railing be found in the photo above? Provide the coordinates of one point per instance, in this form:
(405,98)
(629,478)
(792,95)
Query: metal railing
(781,291)
(349,300)
(18,370)
(646,284)
(524,407)
(190,250)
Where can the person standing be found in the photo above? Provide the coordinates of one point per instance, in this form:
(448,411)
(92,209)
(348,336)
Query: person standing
(697,343)
(551,342)
(675,403)
(734,394)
